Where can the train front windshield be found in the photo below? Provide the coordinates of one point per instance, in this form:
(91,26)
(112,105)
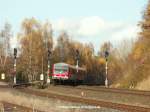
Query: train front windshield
(60,70)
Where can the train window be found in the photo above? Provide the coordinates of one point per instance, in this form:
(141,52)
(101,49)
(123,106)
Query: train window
(59,71)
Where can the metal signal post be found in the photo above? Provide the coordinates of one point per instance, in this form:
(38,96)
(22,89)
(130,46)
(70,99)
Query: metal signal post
(106,80)
(77,58)
(49,80)
(15,55)
(106,68)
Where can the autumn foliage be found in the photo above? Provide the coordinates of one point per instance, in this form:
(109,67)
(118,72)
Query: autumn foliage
(128,63)
(136,66)
(36,38)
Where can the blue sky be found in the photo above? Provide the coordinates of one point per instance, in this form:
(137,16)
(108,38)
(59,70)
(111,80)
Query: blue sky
(110,20)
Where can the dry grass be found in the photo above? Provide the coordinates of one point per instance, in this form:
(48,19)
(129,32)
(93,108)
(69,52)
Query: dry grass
(1,107)
(3,83)
(144,85)
(28,101)
(40,103)
(44,104)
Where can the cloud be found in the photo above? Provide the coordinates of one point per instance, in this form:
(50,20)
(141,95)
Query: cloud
(87,26)
(96,29)
(126,32)
(95,26)
(64,24)
(13,42)
(91,26)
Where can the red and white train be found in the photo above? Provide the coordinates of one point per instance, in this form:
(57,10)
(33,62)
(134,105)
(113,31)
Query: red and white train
(65,72)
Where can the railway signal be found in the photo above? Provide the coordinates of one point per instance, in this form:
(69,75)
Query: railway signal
(15,56)
(15,52)
(49,54)
(106,55)
(48,72)
(106,68)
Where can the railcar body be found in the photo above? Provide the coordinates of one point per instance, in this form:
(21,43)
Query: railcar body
(67,72)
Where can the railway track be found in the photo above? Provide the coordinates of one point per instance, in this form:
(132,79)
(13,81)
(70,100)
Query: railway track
(112,90)
(90,88)
(9,107)
(124,107)
(115,90)
(15,85)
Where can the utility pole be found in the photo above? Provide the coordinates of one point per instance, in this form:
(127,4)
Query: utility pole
(77,59)
(30,58)
(48,78)
(15,55)
(106,68)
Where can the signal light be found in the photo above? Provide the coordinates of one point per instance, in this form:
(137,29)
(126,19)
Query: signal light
(106,55)
(77,54)
(15,52)
(49,53)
